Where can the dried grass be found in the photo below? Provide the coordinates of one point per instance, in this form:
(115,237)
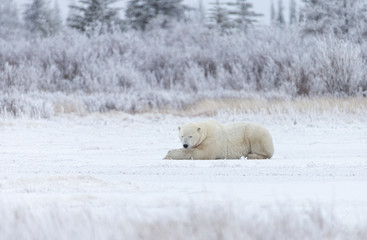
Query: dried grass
(211,107)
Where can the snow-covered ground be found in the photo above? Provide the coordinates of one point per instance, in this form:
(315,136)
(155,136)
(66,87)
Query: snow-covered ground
(102,177)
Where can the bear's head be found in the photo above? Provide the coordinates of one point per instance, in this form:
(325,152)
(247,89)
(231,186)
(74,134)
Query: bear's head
(190,135)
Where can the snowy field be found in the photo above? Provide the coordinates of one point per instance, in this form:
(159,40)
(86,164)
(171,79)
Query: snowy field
(86,118)
(102,176)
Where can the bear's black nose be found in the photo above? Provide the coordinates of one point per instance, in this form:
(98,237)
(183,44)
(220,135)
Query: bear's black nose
(185,146)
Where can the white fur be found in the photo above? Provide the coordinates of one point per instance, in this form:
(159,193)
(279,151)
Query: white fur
(211,140)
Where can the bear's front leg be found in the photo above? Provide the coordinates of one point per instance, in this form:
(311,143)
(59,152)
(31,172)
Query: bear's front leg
(188,154)
(179,154)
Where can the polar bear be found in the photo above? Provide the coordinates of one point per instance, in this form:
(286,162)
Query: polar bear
(211,140)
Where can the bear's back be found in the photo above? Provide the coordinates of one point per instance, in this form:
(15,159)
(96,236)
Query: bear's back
(213,130)
(235,131)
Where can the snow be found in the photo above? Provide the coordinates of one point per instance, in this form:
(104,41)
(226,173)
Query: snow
(102,176)
(73,168)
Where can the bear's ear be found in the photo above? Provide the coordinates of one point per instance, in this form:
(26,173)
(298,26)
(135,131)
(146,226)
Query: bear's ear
(199,129)
(179,128)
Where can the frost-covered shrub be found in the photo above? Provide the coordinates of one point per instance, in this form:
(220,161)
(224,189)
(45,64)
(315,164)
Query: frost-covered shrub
(137,71)
(17,104)
(339,67)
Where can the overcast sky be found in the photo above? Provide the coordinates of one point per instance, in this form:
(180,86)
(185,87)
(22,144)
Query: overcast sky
(260,6)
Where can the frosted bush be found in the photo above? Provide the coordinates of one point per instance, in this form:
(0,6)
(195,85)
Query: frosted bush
(339,67)
(16,104)
(137,71)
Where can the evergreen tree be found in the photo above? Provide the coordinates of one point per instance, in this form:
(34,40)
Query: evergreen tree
(56,17)
(272,13)
(242,14)
(280,18)
(343,18)
(72,12)
(9,21)
(201,11)
(40,19)
(90,14)
(219,16)
(141,12)
(292,12)
(301,16)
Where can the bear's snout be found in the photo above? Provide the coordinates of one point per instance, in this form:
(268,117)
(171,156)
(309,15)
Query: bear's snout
(185,146)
